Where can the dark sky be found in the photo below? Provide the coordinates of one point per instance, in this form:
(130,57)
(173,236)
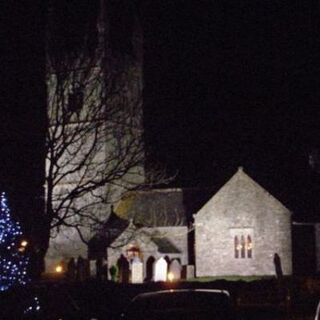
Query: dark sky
(227,84)
(236,83)
(22,105)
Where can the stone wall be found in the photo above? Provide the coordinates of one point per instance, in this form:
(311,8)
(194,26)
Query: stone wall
(63,247)
(142,238)
(242,208)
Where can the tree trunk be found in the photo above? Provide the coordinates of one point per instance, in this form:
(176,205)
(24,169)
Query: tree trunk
(38,249)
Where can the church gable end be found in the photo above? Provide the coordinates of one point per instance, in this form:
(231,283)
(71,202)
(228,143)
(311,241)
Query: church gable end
(240,230)
(240,186)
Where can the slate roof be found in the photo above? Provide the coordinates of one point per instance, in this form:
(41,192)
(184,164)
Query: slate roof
(243,183)
(116,222)
(161,207)
(165,246)
(113,227)
(165,207)
(155,208)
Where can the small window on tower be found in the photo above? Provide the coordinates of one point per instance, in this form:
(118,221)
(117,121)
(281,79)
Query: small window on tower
(75,99)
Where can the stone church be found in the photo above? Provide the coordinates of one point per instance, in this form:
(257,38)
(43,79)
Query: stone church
(241,229)
(237,230)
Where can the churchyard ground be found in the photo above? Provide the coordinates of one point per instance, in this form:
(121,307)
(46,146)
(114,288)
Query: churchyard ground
(291,298)
(266,299)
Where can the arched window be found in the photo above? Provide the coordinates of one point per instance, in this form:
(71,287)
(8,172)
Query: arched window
(249,247)
(133,252)
(243,247)
(242,239)
(236,247)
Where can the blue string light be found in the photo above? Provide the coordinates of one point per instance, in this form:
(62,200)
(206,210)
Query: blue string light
(13,262)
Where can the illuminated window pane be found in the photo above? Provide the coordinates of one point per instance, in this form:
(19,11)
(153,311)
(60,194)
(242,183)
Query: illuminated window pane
(243,247)
(242,243)
(249,247)
(236,247)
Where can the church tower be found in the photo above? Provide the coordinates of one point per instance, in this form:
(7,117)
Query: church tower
(94,149)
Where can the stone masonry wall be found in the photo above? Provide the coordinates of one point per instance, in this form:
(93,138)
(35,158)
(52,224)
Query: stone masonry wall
(242,207)
(142,239)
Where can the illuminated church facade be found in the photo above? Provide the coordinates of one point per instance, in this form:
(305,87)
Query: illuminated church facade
(240,229)
(235,230)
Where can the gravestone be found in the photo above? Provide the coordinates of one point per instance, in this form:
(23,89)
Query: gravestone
(71,269)
(104,271)
(190,271)
(87,268)
(136,271)
(99,264)
(277,265)
(80,269)
(175,270)
(123,269)
(160,270)
(93,268)
(149,268)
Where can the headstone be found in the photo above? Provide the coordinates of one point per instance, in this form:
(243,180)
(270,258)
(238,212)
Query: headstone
(150,268)
(80,269)
(137,271)
(99,264)
(190,271)
(160,270)
(104,271)
(175,270)
(277,265)
(93,268)
(86,269)
(71,269)
(123,269)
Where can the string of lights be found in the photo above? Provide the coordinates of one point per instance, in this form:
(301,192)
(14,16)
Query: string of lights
(13,258)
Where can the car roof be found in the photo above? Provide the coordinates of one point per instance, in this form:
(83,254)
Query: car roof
(177,291)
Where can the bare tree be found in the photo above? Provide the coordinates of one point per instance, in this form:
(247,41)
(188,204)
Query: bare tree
(94,145)
(92,142)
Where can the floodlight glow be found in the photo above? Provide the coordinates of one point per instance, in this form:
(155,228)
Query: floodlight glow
(24,243)
(170,276)
(59,269)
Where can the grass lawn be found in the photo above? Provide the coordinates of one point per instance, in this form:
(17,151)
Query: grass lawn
(230,278)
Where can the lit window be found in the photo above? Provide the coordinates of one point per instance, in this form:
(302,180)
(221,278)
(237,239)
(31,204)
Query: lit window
(75,99)
(236,247)
(243,246)
(249,247)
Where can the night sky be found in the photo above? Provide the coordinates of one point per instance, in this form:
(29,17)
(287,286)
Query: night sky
(22,105)
(227,84)
(236,83)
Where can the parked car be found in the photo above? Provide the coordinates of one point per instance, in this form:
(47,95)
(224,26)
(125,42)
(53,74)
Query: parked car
(317,316)
(181,304)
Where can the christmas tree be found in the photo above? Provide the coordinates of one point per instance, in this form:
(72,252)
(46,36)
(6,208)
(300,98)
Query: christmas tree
(13,259)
